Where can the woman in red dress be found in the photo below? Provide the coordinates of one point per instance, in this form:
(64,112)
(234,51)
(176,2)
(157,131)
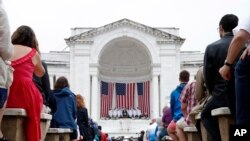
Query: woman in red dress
(23,92)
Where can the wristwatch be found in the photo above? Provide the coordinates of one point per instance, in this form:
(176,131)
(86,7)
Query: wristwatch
(228,64)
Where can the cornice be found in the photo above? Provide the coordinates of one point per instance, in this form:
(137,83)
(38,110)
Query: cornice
(165,37)
(170,41)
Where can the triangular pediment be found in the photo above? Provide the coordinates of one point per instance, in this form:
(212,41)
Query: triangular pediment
(162,36)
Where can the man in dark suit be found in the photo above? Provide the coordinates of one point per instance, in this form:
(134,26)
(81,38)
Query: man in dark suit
(222,91)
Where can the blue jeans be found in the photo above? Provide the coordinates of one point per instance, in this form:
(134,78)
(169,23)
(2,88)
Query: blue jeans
(242,85)
(3,96)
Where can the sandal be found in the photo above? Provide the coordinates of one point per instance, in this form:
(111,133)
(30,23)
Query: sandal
(3,139)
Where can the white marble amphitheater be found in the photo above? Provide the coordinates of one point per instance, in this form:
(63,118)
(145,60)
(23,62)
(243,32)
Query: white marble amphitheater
(123,52)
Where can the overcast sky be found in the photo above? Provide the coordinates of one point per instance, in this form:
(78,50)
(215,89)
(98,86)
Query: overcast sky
(52,19)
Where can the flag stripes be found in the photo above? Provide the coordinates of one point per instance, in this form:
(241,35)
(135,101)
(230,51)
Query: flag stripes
(125,96)
(144,97)
(106,97)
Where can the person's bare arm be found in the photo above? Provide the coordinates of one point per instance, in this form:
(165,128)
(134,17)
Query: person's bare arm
(6,47)
(236,45)
(184,109)
(234,49)
(39,69)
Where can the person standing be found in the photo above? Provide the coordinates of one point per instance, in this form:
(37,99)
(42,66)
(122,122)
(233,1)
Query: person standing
(151,130)
(222,91)
(23,91)
(242,71)
(175,104)
(65,114)
(166,119)
(6,52)
(83,120)
(188,101)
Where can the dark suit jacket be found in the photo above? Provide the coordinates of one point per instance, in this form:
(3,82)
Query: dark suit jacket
(215,55)
(43,84)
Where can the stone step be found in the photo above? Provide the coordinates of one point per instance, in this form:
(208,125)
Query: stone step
(58,134)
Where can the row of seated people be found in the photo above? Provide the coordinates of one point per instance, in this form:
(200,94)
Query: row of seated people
(134,113)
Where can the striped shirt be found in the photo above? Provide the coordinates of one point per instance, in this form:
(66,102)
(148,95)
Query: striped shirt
(188,97)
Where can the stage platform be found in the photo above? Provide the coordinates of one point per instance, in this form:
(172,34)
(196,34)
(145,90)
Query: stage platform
(126,127)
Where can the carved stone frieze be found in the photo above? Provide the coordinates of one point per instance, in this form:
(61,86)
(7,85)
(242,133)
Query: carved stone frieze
(126,22)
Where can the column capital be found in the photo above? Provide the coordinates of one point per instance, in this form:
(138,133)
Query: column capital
(156,69)
(93,69)
(156,74)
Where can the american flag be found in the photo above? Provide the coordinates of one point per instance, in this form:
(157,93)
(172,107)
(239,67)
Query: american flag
(125,95)
(106,97)
(143,90)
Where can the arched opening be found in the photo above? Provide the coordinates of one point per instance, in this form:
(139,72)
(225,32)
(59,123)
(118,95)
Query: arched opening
(125,73)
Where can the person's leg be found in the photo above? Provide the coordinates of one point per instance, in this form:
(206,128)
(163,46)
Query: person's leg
(210,123)
(172,131)
(242,83)
(180,125)
(73,135)
(3,97)
(198,127)
(181,134)
(1,117)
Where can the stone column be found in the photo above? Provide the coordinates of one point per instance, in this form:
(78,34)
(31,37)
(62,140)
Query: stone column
(155,97)
(95,99)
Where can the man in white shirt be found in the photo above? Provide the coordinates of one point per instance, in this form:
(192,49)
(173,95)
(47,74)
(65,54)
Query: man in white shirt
(119,112)
(135,113)
(130,113)
(151,136)
(110,113)
(138,111)
(115,114)
(242,69)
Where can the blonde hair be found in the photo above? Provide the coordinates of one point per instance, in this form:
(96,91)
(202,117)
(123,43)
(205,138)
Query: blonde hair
(80,101)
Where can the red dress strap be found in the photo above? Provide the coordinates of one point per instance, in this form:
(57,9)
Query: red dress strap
(24,58)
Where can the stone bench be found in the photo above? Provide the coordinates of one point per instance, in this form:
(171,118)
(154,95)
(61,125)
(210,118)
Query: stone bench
(45,124)
(225,119)
(58,134)
(12,124)
(192,133)
(204,134)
